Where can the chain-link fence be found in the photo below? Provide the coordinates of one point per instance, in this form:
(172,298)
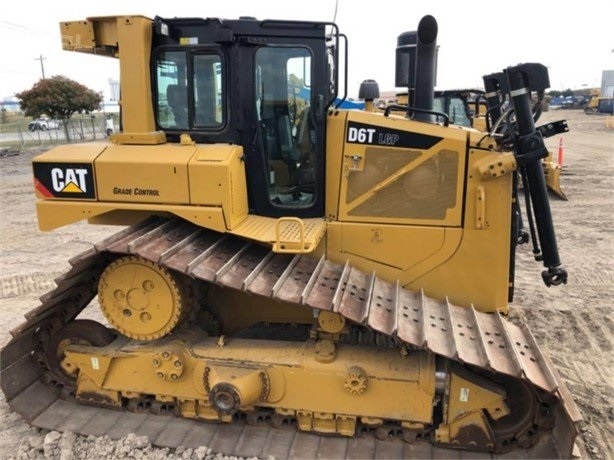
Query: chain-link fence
(81,129)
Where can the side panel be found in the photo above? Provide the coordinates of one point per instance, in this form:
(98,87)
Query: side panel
(478,272)
(217,178)
(410,201)
(398,253)
(144,174)
(385,244)
(122,184)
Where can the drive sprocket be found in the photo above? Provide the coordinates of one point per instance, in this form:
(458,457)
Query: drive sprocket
(140,298)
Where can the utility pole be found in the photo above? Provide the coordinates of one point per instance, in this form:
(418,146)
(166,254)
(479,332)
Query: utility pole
(41,58)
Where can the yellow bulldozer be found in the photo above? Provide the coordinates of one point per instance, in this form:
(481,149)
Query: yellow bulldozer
(599,104)
(313,281)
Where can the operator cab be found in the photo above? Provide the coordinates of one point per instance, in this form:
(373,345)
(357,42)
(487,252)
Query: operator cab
(460,105)
(264,85)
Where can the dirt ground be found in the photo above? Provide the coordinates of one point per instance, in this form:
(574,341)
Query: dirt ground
(573,323)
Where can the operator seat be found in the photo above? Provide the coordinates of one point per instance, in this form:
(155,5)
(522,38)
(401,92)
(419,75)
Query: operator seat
(303,149)
(177,99)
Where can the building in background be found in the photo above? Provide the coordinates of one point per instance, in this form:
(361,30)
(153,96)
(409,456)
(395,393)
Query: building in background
(607,83)
(114,89)
(10,104)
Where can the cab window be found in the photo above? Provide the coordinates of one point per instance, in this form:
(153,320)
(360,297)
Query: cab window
(190,90)
(207,83)
(171,72)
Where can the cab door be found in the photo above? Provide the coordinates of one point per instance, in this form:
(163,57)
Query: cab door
(284,102)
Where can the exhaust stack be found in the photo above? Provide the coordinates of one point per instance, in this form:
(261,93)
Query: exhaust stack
(416,66)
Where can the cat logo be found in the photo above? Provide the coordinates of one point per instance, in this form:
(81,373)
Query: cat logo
(69,180)
(65,180)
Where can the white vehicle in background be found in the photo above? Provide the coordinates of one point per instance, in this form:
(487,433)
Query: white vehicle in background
(44,124)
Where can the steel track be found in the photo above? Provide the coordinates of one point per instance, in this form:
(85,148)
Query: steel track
(484,341)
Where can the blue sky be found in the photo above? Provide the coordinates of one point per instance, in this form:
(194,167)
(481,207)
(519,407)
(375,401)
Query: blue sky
(475,37)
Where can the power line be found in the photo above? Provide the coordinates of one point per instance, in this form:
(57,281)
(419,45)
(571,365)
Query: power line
(24,29)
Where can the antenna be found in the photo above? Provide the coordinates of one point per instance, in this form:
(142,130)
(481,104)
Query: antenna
(337,5)
(334,17)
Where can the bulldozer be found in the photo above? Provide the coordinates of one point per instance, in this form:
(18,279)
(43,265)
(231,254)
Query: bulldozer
(598,104)
(291,279)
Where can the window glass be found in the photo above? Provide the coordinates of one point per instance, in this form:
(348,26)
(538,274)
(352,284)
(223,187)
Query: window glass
(207,91)
(458,112)
(171,72)
(283,100)
(204,72)
(439,104)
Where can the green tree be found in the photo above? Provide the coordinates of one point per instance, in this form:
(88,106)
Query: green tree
(58,97)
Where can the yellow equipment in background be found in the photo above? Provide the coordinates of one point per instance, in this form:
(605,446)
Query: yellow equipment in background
(593,104)
(339,271)
(468,107)
(599,104)
(552,172)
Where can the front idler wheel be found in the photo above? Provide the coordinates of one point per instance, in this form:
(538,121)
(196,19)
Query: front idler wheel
(521,427)
(78,332)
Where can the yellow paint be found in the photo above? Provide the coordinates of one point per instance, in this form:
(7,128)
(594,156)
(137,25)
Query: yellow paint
(283,235)
(121,175)
(399,387)
(462,253)
(53,214)
(129,39)
(202,184)
(217,178)
(416,189)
